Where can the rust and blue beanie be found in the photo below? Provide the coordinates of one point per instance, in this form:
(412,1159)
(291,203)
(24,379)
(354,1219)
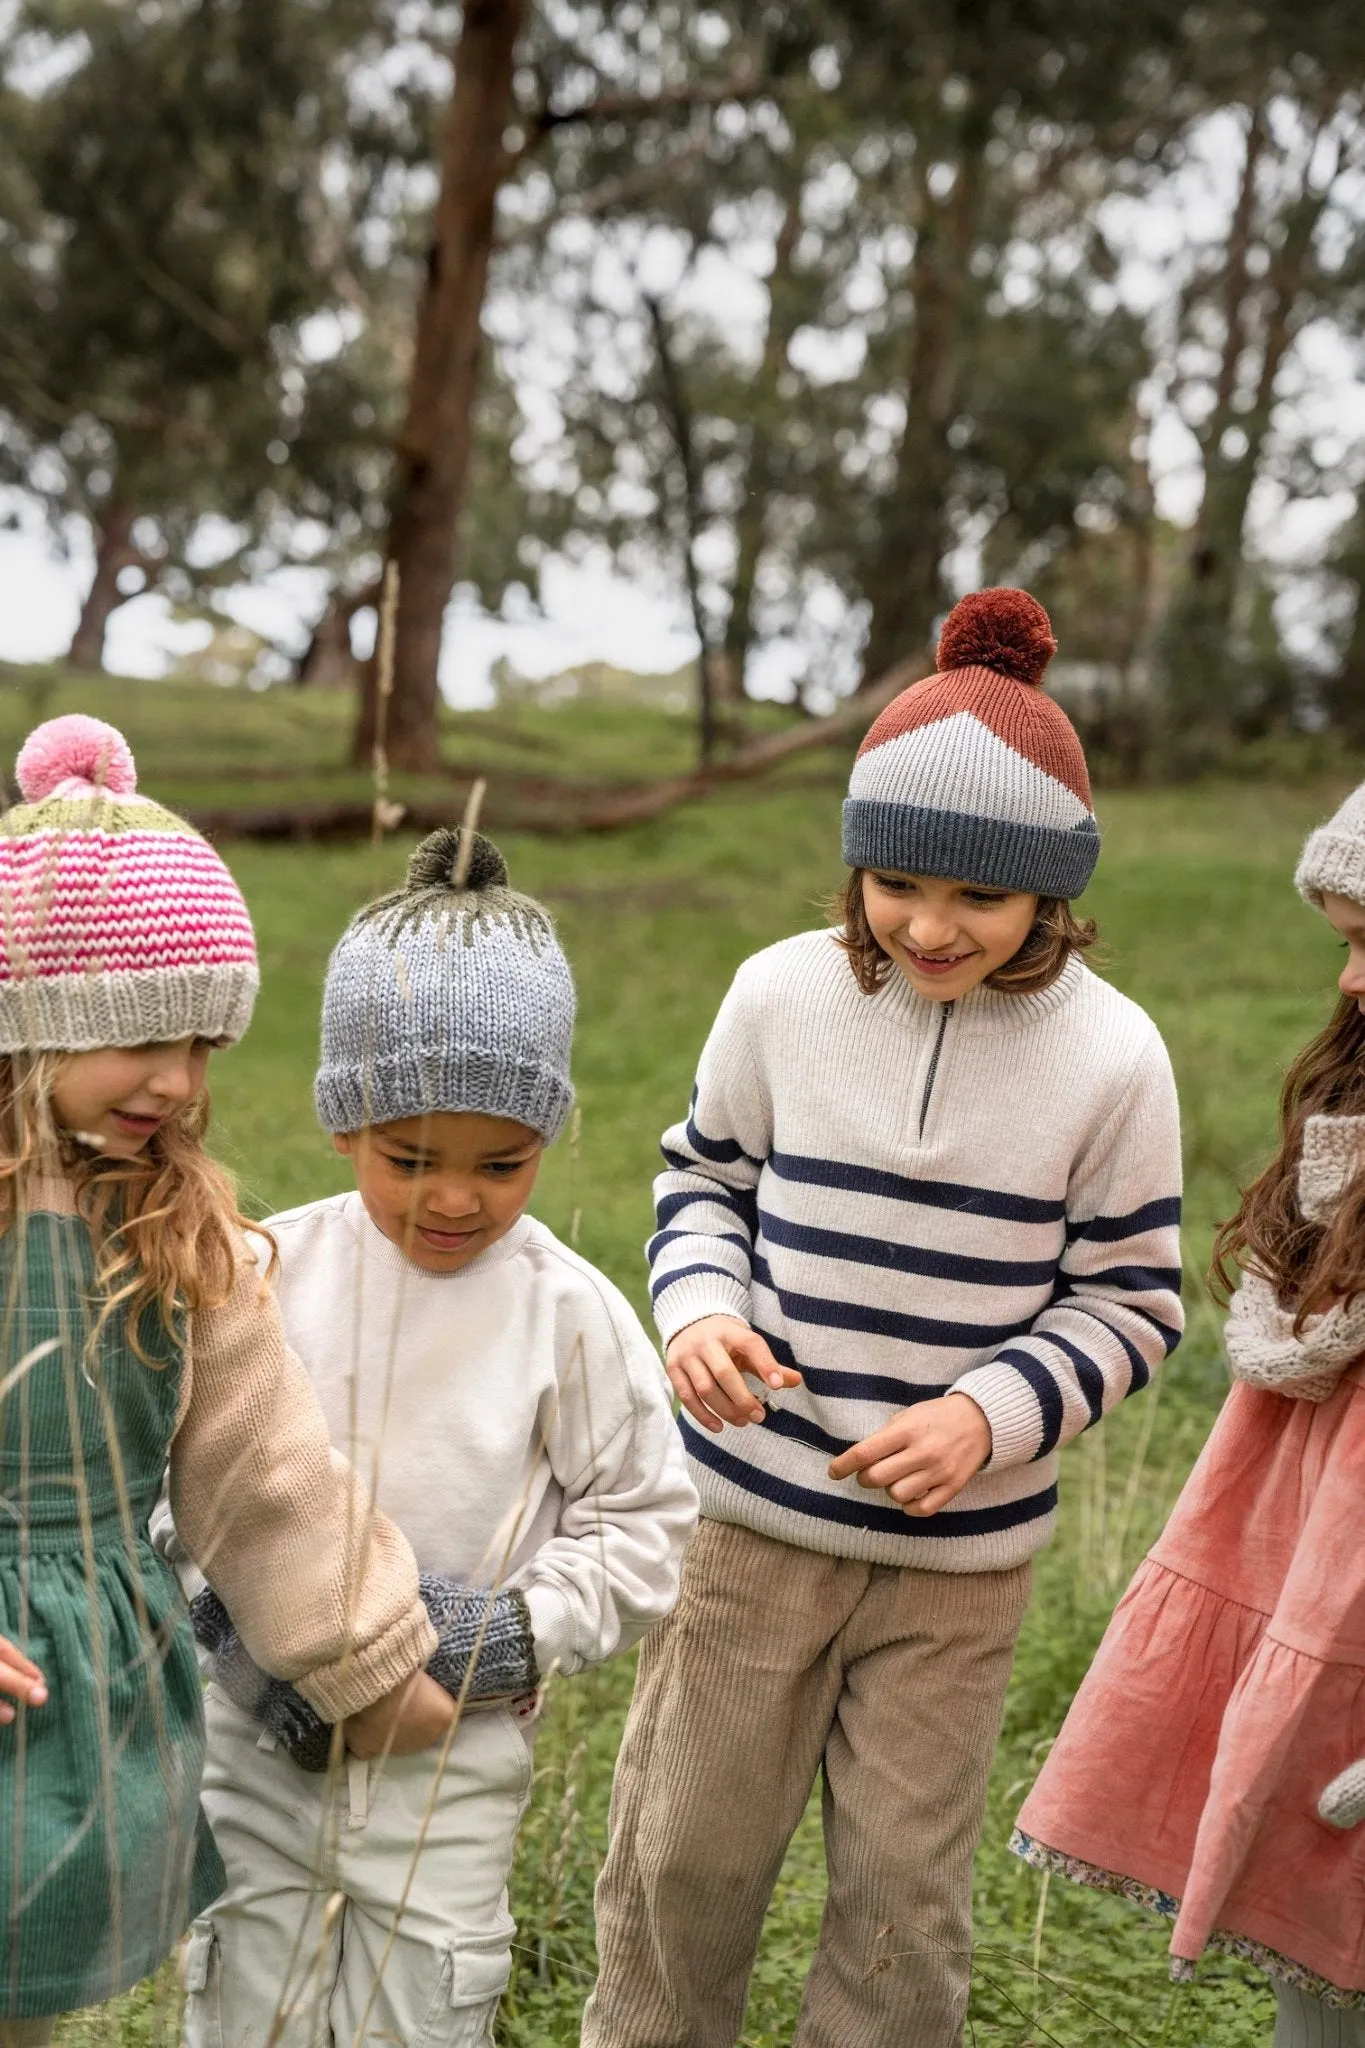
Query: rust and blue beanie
(975,774)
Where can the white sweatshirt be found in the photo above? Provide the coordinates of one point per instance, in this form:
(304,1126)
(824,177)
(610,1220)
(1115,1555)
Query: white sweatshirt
(512,1419)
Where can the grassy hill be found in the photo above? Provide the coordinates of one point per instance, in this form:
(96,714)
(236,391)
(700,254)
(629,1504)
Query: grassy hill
(1201,926)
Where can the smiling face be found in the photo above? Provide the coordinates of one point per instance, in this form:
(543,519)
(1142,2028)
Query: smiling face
(1348,920)
(445,1187)
(116,1100)
(945,937)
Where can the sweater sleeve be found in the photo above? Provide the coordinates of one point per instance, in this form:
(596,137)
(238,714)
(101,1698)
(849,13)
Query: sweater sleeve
(322,1590)
(612,1567)
(706,1203)
(1115,1312)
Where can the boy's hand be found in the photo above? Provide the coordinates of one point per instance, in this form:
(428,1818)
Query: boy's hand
(924,1455)
(707,1362)
(415,1715)
(20,1676)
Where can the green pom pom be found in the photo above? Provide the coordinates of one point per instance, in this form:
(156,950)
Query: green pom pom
(436,863)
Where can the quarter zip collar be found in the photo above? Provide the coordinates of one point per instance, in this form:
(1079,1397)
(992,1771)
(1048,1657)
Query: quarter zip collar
(935,1056)
(995,1009)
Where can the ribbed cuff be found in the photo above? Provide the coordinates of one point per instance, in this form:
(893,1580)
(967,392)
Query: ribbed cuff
(1010,1406)
(912,839)
(357,1681)
(701,1294)
(1331,864)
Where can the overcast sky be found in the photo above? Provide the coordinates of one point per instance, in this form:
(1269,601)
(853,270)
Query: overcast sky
(591,612)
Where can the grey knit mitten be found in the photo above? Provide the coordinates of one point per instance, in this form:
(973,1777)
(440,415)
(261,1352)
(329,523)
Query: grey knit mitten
(300,1731)
(464,1617)
(1342,1805)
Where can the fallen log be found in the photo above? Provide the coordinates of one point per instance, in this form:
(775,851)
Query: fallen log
(536,803)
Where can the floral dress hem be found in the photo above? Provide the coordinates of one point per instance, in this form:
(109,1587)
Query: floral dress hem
(1221,1941)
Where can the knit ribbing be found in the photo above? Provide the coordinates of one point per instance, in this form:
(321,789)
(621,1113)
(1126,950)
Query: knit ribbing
(974,774)
(1019,1244)
(446,998)
(121,925)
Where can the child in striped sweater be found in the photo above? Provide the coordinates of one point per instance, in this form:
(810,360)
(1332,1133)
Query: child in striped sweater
(926,1200)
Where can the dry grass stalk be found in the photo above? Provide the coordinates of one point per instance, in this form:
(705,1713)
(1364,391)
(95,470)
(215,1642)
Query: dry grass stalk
(469,825)
(385,814)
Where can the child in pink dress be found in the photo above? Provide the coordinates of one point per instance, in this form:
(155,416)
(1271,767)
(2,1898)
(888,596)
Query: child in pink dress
(1208,1766)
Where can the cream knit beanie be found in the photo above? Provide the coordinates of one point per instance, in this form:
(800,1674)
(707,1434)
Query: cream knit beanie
(1333,859)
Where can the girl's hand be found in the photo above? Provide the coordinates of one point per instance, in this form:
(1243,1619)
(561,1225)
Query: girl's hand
(415,1715)
(923,1456)
(707,1362)
(20,1676)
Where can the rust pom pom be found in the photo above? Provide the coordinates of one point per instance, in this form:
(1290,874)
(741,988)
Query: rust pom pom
(1003,629)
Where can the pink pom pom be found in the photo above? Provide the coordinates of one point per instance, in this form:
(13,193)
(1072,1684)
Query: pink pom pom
(75,749)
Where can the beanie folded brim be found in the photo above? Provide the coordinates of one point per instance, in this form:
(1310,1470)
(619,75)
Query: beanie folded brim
(388,1090)
(140,1006)
(996,853)
(1331,864)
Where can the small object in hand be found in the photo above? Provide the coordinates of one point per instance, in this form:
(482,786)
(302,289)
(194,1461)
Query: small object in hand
(1342,1805)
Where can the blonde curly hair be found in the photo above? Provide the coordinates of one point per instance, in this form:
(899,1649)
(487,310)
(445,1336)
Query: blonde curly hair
(166,1225)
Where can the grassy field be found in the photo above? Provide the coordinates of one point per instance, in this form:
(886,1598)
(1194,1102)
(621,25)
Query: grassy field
(1201,926)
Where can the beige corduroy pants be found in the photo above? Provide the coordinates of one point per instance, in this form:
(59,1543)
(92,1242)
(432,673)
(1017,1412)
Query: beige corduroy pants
(776,1661)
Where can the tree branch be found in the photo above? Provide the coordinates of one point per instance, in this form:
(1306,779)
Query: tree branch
(743,85)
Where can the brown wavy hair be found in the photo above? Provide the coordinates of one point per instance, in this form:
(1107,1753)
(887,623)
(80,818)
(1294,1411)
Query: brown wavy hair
(166,1226)
(1055,934)
(1307,1264)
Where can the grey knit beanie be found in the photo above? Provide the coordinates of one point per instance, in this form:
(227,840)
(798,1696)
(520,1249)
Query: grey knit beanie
(1333,859)
(447,996)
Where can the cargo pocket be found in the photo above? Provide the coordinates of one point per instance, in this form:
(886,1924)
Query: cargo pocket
(474,1979)
(203,2021)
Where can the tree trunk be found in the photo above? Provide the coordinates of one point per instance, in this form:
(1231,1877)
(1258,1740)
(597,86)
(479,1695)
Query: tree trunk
(432,457)
(114,552)
(905,587)
(711,680)
(327,662)
(1207,688)
(751,518)
(1346,691)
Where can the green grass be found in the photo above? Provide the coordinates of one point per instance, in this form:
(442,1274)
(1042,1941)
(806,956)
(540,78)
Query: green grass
(1202,927)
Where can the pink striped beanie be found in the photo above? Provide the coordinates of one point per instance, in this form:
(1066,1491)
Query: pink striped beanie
(119,924)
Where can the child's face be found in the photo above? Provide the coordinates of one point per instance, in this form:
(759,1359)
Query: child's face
(444,1187)
(1348,919)
(116,1100)
(945,937)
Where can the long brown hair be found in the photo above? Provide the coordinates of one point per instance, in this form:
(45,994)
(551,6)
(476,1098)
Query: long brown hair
(1307,1264)
(1055,934)
(166,1227)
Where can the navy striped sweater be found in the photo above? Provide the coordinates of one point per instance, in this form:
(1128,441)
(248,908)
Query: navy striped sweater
(906,1197)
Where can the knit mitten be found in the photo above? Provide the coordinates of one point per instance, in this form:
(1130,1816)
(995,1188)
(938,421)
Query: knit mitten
(284,1712)
(499,1624)
(1342,1805)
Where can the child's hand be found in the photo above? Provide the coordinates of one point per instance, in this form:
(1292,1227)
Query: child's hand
(413,1716)
(20,1676)
(924,1455)
(707,1362)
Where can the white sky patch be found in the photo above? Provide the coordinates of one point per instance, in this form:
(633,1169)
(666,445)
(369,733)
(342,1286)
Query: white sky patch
(592,611)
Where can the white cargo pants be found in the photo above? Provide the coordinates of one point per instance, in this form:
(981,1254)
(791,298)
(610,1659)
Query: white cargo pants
(334,1930)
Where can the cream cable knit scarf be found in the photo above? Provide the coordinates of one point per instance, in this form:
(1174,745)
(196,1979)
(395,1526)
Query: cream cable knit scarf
(1261,1343)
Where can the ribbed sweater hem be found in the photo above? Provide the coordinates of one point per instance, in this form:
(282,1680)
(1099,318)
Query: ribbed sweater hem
(920,1549)
(356,1682)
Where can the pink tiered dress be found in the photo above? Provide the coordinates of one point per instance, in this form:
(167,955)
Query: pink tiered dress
(1227,1693)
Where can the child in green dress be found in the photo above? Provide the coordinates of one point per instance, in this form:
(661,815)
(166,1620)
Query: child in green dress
(136,1329)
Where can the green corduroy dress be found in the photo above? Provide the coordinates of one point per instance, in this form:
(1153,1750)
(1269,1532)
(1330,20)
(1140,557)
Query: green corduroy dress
(104,1855)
